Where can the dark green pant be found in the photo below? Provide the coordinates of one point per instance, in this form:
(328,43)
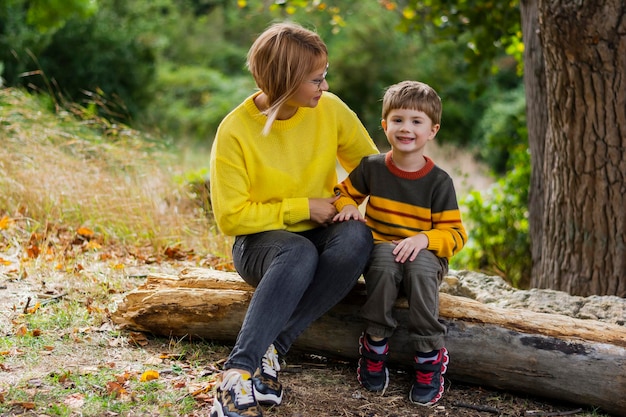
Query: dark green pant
(419,281)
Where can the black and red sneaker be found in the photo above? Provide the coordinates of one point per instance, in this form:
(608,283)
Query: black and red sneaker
(372,371)
(428,386)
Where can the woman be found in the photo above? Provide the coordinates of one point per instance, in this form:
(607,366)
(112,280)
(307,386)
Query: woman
(273,169)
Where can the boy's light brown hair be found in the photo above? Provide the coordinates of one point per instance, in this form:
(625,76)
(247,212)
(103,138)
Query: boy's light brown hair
(413,95)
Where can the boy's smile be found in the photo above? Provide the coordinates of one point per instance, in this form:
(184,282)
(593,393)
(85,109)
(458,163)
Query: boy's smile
(409,130)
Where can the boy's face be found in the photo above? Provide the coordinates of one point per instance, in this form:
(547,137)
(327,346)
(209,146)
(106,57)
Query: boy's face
(408,130)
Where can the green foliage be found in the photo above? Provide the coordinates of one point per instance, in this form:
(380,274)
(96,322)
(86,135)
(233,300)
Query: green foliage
(190,101)
(52,14)
(100,55)
(502,128)
(497,221)
(490,28)
(26,27)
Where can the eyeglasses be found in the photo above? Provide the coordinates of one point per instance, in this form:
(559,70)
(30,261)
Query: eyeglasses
(318,81)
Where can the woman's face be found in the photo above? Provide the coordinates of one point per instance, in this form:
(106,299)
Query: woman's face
(310,91)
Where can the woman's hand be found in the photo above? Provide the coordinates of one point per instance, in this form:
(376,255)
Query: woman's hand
(322,210)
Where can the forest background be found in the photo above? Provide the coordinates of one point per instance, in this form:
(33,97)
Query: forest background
(174,68)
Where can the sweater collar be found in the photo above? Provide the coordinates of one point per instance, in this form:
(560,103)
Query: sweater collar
(406,174)
(261,118)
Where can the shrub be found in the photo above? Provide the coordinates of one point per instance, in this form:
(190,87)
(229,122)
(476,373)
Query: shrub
(497,222)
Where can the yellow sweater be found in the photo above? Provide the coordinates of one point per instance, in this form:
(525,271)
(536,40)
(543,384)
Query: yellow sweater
(261,183)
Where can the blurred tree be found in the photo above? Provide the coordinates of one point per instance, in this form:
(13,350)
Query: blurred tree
(26,27)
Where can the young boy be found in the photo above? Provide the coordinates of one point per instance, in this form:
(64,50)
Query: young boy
(416,224)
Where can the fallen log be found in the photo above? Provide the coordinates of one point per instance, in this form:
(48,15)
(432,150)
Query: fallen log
(548,355)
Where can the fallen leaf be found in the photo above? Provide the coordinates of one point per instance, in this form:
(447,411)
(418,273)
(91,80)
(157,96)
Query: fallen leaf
(88,370)
(149,375)
(5,222)
(204,398)
(33,309)
(138,338)
(76,400)
(21,331)
(27,405)
(115,389)
(123,378)
(197,391)
(64,377)
(33,251)
(92,244)
(85,232)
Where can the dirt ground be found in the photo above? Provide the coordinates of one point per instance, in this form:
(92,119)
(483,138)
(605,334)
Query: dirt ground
(319,387)
(314,386)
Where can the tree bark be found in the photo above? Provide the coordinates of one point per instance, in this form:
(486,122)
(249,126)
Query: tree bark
(549,355)
(537,123)
(583,250)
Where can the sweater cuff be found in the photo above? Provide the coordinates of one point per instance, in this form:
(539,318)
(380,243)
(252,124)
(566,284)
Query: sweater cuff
(435,241)
(344,201)
(296,210)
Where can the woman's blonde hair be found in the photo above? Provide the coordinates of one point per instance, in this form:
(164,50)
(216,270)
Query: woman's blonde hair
(280,59)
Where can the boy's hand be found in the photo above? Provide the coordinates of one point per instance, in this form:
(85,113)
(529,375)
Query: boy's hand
(322,210)
(409,248)
(349,212)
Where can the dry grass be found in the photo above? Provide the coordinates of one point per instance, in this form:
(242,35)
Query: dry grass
(108,178)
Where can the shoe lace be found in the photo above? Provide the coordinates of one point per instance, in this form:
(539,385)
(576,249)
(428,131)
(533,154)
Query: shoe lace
(241,386)
(424,377)
(270,362)
(374,366)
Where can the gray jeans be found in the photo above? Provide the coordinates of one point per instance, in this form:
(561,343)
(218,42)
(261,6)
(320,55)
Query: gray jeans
(298,277)
(386,279)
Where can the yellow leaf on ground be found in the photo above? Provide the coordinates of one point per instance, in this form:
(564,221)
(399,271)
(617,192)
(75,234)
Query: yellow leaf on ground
(5,222)
(149,375)
(85,232)
(92,244)
(33,309)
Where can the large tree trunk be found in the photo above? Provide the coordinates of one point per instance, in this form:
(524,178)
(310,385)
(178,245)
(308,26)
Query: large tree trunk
(550,355)
(584,216)
(537,122)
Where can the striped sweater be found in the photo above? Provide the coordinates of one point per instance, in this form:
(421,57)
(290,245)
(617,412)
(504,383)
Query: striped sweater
(402,204)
